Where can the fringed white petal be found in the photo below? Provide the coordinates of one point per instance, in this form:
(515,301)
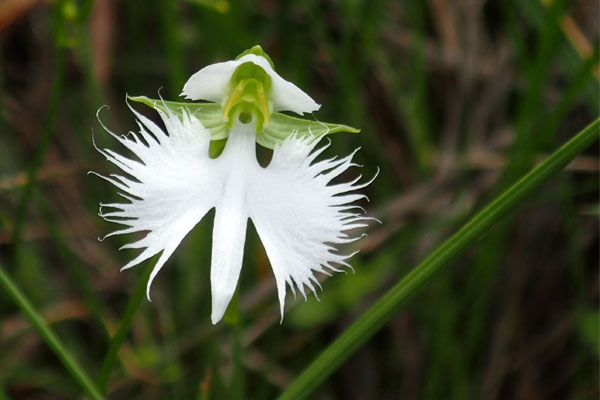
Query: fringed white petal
(301,218)
(172,186)
(212,83)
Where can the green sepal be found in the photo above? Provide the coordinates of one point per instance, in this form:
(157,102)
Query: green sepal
(279,128)
(209,114)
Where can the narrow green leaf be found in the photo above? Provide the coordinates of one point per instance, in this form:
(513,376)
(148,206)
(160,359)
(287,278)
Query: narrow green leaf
(386,307)
(280,127)
(48,335)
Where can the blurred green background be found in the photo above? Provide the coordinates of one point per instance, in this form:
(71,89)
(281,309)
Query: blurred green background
(455,99)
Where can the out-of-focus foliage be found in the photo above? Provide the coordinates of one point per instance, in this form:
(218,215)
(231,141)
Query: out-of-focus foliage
(454,99)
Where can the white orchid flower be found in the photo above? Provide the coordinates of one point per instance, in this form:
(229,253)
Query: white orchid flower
(299,215)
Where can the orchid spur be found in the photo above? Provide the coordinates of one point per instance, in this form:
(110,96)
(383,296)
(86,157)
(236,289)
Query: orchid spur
(300,216)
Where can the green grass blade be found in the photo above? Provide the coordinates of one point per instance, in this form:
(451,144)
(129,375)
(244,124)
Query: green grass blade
(117,341)
(387,306)
(49,337)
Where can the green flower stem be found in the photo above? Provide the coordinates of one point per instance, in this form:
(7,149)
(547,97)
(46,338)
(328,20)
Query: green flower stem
(117,341)
(386,307)
(40,325)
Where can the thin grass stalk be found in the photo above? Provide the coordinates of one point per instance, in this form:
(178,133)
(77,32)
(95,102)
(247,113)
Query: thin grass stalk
(49,337)
(387,306)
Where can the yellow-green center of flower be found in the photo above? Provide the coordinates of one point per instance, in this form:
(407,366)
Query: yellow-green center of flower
(250,86)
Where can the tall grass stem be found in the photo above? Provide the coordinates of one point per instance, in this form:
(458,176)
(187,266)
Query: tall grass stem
(49,337)
(387,306)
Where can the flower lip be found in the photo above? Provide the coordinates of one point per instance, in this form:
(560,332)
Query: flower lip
(213,83)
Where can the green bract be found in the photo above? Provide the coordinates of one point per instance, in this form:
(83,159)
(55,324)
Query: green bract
(275,132)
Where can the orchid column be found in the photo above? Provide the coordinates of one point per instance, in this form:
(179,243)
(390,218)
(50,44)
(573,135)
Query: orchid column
(300,217)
